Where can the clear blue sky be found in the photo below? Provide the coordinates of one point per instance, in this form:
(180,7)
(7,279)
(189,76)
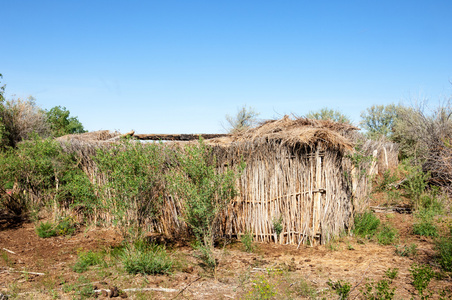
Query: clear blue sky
(181,66)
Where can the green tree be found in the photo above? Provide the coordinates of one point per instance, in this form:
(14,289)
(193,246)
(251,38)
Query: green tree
(205,192)
(61,123)
(329,114)
(245,118)
(379,120)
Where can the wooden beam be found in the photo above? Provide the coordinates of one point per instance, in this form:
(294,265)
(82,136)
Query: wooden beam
(177,137)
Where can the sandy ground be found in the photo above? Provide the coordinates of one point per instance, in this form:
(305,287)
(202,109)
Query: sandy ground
(283,266)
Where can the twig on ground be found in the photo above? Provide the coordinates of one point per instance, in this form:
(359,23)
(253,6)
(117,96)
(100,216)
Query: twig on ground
(140,290)
(362,278)
(9,251)
(25,272)
(182,290)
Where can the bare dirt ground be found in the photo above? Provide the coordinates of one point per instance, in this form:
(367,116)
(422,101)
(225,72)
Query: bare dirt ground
(284,268)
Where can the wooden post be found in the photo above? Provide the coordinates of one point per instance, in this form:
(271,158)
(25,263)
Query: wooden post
(317,196)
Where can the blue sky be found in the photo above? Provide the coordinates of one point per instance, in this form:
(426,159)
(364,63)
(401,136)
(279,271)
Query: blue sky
(181,66)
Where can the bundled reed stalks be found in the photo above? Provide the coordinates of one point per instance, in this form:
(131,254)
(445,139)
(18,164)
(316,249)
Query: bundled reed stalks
(302,182)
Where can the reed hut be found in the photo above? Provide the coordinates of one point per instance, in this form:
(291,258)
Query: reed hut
(294,188)
(301,183)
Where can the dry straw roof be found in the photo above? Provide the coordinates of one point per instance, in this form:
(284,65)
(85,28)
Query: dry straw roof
(296,131)
(94,136)
(286,132)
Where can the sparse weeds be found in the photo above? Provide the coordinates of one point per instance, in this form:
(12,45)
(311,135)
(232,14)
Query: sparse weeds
(366,224)
(277,225)
(342,288)
(443,247)
(7,260)
(387,235)
(422,275)
(46,230)
(262,289)
(305,289)
(142,258)
(87,259)
(408,251)
(425,228)
(247,242)
(64,226)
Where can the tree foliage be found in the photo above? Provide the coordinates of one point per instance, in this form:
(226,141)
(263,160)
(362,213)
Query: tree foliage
(61,123)
(205,192)
(245,118)
(329,114)
(379,120)
(134,183)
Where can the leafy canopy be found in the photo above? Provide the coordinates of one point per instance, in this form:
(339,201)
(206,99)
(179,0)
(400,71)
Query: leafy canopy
(379,120)
(329,114)
(61,123)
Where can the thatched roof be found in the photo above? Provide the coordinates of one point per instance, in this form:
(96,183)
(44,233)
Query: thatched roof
(291,132)
(285,131)
(94,136)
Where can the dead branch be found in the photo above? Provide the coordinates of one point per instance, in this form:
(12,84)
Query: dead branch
(9,251)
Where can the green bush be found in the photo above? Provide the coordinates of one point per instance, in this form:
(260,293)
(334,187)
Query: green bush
(425,228)
(366,224)
(422,275)
(385,183)
(444,253)
(416,180)
(380,290)
(134,187)
(387,235)
(146,259)
(278,225)
(44,174)
(342,288)
(205,192)
(87,259)
(262,290)
(46,230)
(247,241)
(65,226)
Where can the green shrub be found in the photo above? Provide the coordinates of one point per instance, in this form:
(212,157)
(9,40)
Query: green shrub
(416,180)
(385,182)
(44,174)
(46,230)
(444,253)
(342,288)
(380,290)
(422,275)
(87,259)
(247,241)
(425,228)
(366,224)
(204,191)
(65,226)
(262,290)
(392,273)
(278,225)
(146,259)
(387,235)
(134,187)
